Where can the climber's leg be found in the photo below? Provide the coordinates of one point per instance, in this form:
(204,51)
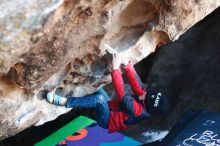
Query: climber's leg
(96,100)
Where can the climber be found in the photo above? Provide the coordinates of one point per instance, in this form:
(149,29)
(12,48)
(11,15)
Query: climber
(127,109)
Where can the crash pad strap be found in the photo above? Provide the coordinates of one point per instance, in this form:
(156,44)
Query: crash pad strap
(70,128)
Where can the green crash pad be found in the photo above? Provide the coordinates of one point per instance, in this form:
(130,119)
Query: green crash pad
(72,127)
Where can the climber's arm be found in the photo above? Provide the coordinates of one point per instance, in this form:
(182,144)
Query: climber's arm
(134,80)
(118,84)
(117,77)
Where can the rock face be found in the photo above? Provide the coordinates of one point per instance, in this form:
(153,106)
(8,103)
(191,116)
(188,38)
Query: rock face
(185,70)
(65,49)
(19,22)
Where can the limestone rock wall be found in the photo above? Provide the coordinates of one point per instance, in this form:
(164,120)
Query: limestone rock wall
(63,46)
(19,20)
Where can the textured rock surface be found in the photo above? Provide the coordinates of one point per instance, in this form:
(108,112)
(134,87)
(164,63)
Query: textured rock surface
(19,22)
(186,70)
(67,55)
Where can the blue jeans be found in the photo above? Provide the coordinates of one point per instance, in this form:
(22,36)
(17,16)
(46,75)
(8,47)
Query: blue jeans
(98,100)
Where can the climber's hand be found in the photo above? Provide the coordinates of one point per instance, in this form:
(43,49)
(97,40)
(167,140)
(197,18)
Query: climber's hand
(116,61)
(124,59)
(142,97)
